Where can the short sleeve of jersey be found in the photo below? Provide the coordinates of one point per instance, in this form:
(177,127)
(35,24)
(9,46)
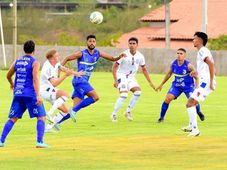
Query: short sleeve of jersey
(204,52)
(58,66)
(121,59)
(47,73)
(142,60)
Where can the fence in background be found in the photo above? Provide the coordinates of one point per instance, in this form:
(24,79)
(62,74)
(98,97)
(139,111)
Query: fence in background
(157,60)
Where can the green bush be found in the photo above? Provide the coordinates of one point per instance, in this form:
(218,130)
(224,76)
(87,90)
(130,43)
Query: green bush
(218,44)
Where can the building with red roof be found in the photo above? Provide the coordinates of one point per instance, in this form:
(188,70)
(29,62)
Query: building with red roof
(185,20)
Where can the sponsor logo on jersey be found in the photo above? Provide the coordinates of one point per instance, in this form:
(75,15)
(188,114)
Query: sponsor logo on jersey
(23,63)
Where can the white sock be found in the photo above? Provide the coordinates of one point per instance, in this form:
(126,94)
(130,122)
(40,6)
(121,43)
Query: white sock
(133,101)
(57,104)
(192,117)
(118,104)
(49,126)
(59,116)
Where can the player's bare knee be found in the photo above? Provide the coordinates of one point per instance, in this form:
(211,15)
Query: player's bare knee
(41,118)
(189,104)
(14,120)
(96,98)
(168,99)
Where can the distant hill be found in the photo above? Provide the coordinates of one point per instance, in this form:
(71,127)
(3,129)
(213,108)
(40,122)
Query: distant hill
(71,29)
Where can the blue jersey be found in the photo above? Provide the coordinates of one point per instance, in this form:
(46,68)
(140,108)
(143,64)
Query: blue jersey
(87,63)
(182,80)
(23,84)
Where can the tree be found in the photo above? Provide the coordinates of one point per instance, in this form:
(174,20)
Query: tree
(218,44)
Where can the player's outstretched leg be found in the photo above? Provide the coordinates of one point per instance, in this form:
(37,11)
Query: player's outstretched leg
(7,128)
(40,127)
(118,105)
(164,109)
(55,124)
(171,95)
(58,103)
(64,118)
(86,102)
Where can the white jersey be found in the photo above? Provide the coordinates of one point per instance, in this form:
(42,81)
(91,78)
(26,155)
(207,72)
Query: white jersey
(128,66)
(48,71)
(202,67)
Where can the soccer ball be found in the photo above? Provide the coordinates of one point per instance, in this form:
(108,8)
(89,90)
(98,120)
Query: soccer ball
(96,17)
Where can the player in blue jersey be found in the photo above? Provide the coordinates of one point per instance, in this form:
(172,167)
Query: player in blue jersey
(86,61)
(26,94)
(183,83)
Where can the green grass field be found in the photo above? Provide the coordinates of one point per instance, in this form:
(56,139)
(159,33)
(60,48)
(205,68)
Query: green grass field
(96,143)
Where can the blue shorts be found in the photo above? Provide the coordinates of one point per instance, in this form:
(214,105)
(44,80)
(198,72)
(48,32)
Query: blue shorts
(81,89)
(177,91)
(21,104)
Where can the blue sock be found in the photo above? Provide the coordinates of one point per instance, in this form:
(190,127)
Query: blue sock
(84,103)
(164,109)
(64,118)
(7,128)
(40,127)
(198,108)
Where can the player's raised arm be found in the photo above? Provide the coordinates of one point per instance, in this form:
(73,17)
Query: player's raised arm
(71,72)
(110,57)
(114,72)
(71,57)
(56,82)
(35,74)
(146,74)
(10,74)
(194,74)
(165,79)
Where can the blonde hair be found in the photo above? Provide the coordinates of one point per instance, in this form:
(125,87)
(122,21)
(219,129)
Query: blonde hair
(51,53)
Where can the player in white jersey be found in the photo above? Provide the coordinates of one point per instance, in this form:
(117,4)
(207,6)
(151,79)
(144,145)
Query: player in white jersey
(124,71)
(49,80)
(207,83)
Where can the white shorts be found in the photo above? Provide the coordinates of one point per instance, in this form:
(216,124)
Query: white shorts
(49,94)
(126,84)
(200,93)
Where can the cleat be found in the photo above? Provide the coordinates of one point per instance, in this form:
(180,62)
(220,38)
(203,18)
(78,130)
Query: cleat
(160,120)
(51,127)
(50,131)
(128,115)
(41,145)
(1,144)
(201,116)
(186,129)
(114,118)
(57,126)
(194,133)
(49,118)
(73,115)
